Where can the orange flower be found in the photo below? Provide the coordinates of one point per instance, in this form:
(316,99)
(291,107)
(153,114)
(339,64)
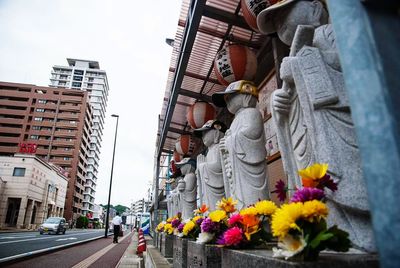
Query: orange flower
(201,210)
(250,225)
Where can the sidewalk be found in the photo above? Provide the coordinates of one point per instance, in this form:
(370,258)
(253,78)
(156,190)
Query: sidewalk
(129,258)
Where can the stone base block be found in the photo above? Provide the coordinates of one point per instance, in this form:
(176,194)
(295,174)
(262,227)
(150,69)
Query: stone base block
(263,258)
(200,255)
(167,245)
(180,252)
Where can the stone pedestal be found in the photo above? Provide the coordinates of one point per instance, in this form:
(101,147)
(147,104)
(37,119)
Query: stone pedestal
(166,245)
(200,255)
(180,252)
(263,258)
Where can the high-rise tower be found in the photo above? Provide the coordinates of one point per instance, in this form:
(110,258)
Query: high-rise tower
(87,76)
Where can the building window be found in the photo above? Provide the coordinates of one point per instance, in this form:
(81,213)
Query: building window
(66,158)
(72,122)
(42,101)
(76,84)
(34,137)
(38,118)
(78,78)
(19,172)
(36,127)
(78,72)
(40,110)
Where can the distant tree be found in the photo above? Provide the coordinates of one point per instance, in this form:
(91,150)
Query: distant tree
(82,222)
(119,208)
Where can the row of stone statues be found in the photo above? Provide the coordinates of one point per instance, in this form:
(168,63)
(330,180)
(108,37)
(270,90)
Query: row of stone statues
(313,120)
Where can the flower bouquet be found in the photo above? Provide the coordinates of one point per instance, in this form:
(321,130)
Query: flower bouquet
(190,228)
(300,226)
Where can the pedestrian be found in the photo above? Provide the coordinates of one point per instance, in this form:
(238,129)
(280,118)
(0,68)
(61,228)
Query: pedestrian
(116,222)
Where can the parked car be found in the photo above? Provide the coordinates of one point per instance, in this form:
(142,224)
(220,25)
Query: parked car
(55,225)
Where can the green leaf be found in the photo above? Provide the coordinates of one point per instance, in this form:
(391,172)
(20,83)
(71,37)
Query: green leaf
(322,236)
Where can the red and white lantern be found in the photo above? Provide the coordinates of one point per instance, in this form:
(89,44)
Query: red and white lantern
(235,62)
(251,8)
(199,113)
(185,145)
(177,157)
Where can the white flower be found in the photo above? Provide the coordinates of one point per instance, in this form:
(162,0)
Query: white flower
(204,237)
(289,246)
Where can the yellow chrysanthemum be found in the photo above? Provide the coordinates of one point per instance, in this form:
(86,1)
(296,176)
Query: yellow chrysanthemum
(217,215)
(169,220)
(249,211)
(285,218)
(314,210)
(168,228)
(227,205)
(188,227)
(265,207)
(196,218)
(314,172)
(160,226)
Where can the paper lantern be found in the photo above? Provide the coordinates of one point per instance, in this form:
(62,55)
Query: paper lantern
(199,113)
(185,145)
(251,8)
(177,157)
(235,62)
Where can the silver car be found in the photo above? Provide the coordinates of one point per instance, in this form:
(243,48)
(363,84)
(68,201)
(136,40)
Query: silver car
(55,225)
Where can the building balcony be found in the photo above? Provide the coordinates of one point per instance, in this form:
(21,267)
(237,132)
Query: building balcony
(68,107)
(64,143)
(69,116)
(15,121)
(10,129)
(12,112)
(15,103)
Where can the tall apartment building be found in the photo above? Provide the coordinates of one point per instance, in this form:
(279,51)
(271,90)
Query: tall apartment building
(54,124)
(86,75)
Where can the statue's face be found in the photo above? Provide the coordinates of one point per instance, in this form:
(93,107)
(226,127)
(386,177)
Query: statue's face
(287,19)
(234,102)
(186,168)
(208,137)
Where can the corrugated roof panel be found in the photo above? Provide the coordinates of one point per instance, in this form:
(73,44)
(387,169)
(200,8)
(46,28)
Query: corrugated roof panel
(208,40)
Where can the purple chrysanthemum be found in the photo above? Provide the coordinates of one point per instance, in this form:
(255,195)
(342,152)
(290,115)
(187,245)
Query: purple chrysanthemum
(199,221)
(328,182)
(180,227)
(175,223)
(280,189)
(209,226)
(221,240)
(307,194)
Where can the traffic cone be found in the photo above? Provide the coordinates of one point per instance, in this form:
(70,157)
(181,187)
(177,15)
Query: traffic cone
(141,243)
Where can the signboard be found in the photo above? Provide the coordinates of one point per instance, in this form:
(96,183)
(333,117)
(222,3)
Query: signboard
(27,148)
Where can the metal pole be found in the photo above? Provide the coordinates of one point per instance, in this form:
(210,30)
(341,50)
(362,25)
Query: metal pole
(112,169)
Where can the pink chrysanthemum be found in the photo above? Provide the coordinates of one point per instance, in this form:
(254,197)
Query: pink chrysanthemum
(235,219)
(233,236)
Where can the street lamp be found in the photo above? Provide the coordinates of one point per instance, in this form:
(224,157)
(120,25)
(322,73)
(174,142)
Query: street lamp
(112,168)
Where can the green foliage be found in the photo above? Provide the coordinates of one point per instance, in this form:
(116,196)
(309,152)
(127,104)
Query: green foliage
(82,222)
(119,208)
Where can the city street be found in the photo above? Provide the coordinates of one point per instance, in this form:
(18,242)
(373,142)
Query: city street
(15,245)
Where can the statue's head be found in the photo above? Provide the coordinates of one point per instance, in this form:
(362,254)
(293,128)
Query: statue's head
(284,17)
(186,165)
(211,132)
(239,94)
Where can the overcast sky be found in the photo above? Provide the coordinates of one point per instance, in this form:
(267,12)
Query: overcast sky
(127,38)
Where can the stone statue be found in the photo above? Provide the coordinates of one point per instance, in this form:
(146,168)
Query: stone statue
(209,167)
(242,149)
(312,113)
(187,187)
(173,203)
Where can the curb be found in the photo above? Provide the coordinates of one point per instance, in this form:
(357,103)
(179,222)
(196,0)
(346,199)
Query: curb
(46,250)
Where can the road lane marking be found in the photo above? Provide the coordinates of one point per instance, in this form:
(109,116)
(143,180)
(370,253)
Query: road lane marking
(47,249)
(93,258)
(63,239)
(40,238)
